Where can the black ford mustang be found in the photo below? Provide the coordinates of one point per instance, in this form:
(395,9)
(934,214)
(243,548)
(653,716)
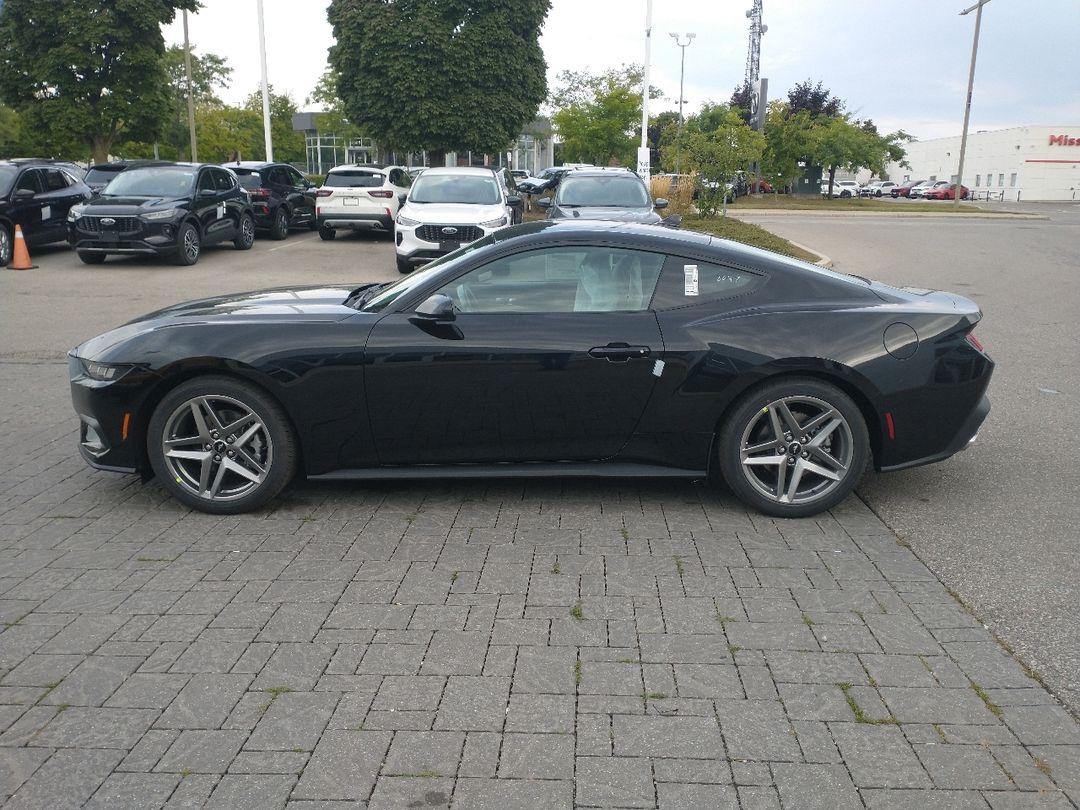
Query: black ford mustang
(552,348)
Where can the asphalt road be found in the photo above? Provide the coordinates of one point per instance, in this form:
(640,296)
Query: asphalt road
(999,523)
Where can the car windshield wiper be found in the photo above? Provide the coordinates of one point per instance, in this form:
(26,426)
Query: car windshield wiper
(360,296)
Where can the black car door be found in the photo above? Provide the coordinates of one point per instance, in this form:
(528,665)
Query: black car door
(299,193)
(26,204)
(61,192)
(211,205)
(551,355)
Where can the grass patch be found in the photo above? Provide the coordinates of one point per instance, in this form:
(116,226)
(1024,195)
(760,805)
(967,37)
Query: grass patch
(1042,765)
(453,577)
(720,617)
(807,620)
(940,732)
(556,568)
(62,707)
(576,611)
(679,566)
(753,235)
(733,648)
(427,773)
(985,698)
(577,673)
(860,715)
(658,695)
(625,532)
(813,202)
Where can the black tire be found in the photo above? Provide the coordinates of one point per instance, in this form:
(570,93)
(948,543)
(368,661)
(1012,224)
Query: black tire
(245,236)
(313,225)
(764,477)
(280,227)
(90,258)
(845,194)
(6,245)
(327,233)
(188,245)
(265,448)
(404,266)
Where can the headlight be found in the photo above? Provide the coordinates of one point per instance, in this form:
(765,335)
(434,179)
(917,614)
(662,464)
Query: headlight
(494,223)
(167,214)
(404,220)
(104,372)
(75,212)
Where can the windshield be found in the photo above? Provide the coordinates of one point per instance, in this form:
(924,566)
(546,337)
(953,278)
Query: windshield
(455,188)
(171,181)
(99,175)
(7,178)
(616,191)
(389,294)
(357,179)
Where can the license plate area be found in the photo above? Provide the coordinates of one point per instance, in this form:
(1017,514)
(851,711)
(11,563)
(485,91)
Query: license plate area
(449,247)
(351,200)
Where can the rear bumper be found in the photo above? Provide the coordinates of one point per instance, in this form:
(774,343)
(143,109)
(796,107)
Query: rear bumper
(348,220)
(964,437)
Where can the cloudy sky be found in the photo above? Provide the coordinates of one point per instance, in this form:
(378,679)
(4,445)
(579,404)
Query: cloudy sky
(902,63)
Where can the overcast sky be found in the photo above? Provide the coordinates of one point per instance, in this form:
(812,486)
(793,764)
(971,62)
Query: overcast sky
(902,63)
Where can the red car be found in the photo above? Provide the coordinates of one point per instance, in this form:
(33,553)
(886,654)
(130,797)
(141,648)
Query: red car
(904,189)
(946,191)
(764,187)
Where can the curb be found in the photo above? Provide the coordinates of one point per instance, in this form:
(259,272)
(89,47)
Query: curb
(774,212)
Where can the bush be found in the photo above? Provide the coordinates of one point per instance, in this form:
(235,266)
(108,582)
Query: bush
(678,190)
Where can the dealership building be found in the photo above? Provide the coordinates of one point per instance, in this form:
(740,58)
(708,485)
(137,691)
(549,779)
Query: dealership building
(1023,163)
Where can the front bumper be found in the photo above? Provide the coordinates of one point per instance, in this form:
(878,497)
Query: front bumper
(109,418)
(154,238)
(411,248)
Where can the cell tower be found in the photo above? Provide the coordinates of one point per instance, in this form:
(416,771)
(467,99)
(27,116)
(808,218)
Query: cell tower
(753,57)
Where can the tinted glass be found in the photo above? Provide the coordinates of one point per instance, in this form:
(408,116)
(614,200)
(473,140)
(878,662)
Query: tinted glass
(565,279)
(616,191)
(153,182)
(354,179)
(7,178)
(54,180)
(250,181)
(689,281)
(99,175)
(223,180)
(30,181)
(455,188)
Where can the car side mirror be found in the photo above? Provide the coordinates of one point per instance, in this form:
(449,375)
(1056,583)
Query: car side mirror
(24,194)
(660,202)
(437,307)
(544,202)
(513,200)
(401,198)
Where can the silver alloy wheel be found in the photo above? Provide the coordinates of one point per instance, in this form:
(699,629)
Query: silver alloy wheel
(247,230)
(191,245)
(797,450)
(5,246)
(217,448)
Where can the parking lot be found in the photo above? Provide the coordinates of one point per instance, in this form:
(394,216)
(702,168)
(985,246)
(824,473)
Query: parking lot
(545,645)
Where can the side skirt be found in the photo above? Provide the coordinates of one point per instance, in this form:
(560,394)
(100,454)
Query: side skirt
(513,470)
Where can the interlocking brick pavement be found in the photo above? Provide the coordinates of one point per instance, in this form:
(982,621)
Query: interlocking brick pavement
(485,645)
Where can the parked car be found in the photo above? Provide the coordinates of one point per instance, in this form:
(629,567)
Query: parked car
(447,207)
(361,197)
(840,188)
(878,188)
(919,189)
(100,174)
(565,348)
(763,186)
(904,189)
(280,196)
(520,174)
(944,190)
(172,209)
(510,191)
(599,194)
(547,180)
(36,195)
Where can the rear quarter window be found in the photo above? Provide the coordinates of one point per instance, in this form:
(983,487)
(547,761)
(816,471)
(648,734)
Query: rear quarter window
(685,282)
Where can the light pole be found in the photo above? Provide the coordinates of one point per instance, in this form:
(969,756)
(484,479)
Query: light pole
(682,72)
(977,8)
(190,95)
(643,157)
(265,90)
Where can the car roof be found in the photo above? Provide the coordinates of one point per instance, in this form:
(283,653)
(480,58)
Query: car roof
(614,171)
(121,165)
(478,171)
(375,167)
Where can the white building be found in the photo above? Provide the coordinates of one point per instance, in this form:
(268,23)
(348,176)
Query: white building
(1024,163)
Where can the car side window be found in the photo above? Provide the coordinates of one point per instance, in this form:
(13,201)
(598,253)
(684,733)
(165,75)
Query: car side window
(206,181)
(563,279)
(29,181)
(223,180)
(400,178)
(54,180)
(294,178)
(690,281)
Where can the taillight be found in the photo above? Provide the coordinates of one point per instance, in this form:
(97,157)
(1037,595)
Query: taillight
(323,192)
(260,192)
(974,342)
(386,195)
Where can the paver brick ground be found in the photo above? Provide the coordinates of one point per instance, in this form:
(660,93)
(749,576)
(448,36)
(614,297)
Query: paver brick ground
(485,645)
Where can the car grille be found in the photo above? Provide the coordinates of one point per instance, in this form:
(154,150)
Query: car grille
(92,224)
(434,233)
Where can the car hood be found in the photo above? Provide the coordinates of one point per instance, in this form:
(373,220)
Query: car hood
(452,213)
(646,216)
(283,304)
(129,205)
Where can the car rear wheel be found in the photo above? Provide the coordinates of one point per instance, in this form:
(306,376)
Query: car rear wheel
(91,258)
(280,228)
(188,245)
(245,237)
(221,445)
(327,233)
(794,447)
(845,193)
(5,245)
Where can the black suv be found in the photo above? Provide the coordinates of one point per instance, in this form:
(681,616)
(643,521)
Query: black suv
(170,209)
(36,195)
(613,194)
(280,196)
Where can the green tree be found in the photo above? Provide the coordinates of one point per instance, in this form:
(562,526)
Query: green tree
(838,143)
(440,75)
(598,118)
(787,143)
(288,144)
(815,99)
(209,74)
(717,154)
(88,71)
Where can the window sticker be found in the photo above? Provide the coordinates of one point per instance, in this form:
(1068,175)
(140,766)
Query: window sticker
(690,279)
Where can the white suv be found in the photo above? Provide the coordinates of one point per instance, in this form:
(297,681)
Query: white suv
(450,206)
(840,188)
(360,197)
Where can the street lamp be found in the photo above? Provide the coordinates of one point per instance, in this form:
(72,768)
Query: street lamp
(682,72)
(977,8)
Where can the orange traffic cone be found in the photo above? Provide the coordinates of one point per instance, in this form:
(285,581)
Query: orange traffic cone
(20,256)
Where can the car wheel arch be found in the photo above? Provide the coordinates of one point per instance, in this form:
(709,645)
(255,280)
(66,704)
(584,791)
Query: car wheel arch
(848,381)
(212,367)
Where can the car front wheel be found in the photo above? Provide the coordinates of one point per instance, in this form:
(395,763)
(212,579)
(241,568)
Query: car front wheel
(5,246)
(221,445)
(91,258)
(794,447)
(188,245)
(280,229)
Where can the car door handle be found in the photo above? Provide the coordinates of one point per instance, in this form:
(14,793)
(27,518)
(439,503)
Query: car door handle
(619,352)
